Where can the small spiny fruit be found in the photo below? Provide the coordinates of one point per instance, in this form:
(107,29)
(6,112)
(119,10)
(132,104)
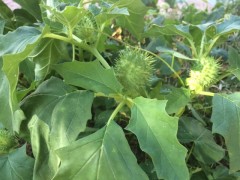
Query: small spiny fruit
(203,74)
(86,28)
(134,70)
(7,141)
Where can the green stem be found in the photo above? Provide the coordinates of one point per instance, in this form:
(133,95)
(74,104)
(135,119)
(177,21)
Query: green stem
(73,52)
(190,152)
(205,93)
(211,46)
(78,42)
(195,54)
(224,75)
(202,44)
(115,112)
(81,56)
(174,72)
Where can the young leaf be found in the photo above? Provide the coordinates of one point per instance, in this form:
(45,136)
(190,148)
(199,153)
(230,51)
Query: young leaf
(46,161)
(102,155)
(89,75)
(64,109)
(205,148)
(157,134)
(48,52)
(70,16)
(16,165)
(226,121)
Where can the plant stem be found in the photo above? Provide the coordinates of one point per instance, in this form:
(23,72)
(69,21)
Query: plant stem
(205,93)
(193,48)
(202,44)
(174,72)
(78,42)
(211,46)
(190,152)
(118,108)
(73,52)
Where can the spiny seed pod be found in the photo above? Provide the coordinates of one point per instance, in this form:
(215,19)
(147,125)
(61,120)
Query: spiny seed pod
(134,69)
(7,141)
(86,29)
(203,74)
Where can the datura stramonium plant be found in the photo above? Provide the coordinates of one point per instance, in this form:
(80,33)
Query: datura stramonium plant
(203,74)
(7,141)
(134,69)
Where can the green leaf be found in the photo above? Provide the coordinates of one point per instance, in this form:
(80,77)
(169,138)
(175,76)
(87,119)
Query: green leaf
(102,155)
(182,30)
(6,110)
(177,100)
(17,41)
(16,165)
(226,121)
(48,52)
(174,53)
(16,46)
(228,25)
(134,23)
(205,148)
(157,134)
(46,161)
(32,7)
(233,58)
(5,11)
(70,16)
(89,75)
(65,110)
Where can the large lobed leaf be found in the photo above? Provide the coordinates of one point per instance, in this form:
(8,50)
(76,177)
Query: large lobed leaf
(226,121)
(102,155)
(89,75)
(63,108)
(157,135)
(16,165)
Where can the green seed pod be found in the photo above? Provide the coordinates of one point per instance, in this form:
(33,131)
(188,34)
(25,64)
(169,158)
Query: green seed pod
(203,74)
(86,29)
(134,70)
(7,141)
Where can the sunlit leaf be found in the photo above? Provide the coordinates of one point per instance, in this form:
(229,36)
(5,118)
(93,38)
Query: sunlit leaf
(102,155)
(48,52)
(89,75)
(157,135)
(63,108)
